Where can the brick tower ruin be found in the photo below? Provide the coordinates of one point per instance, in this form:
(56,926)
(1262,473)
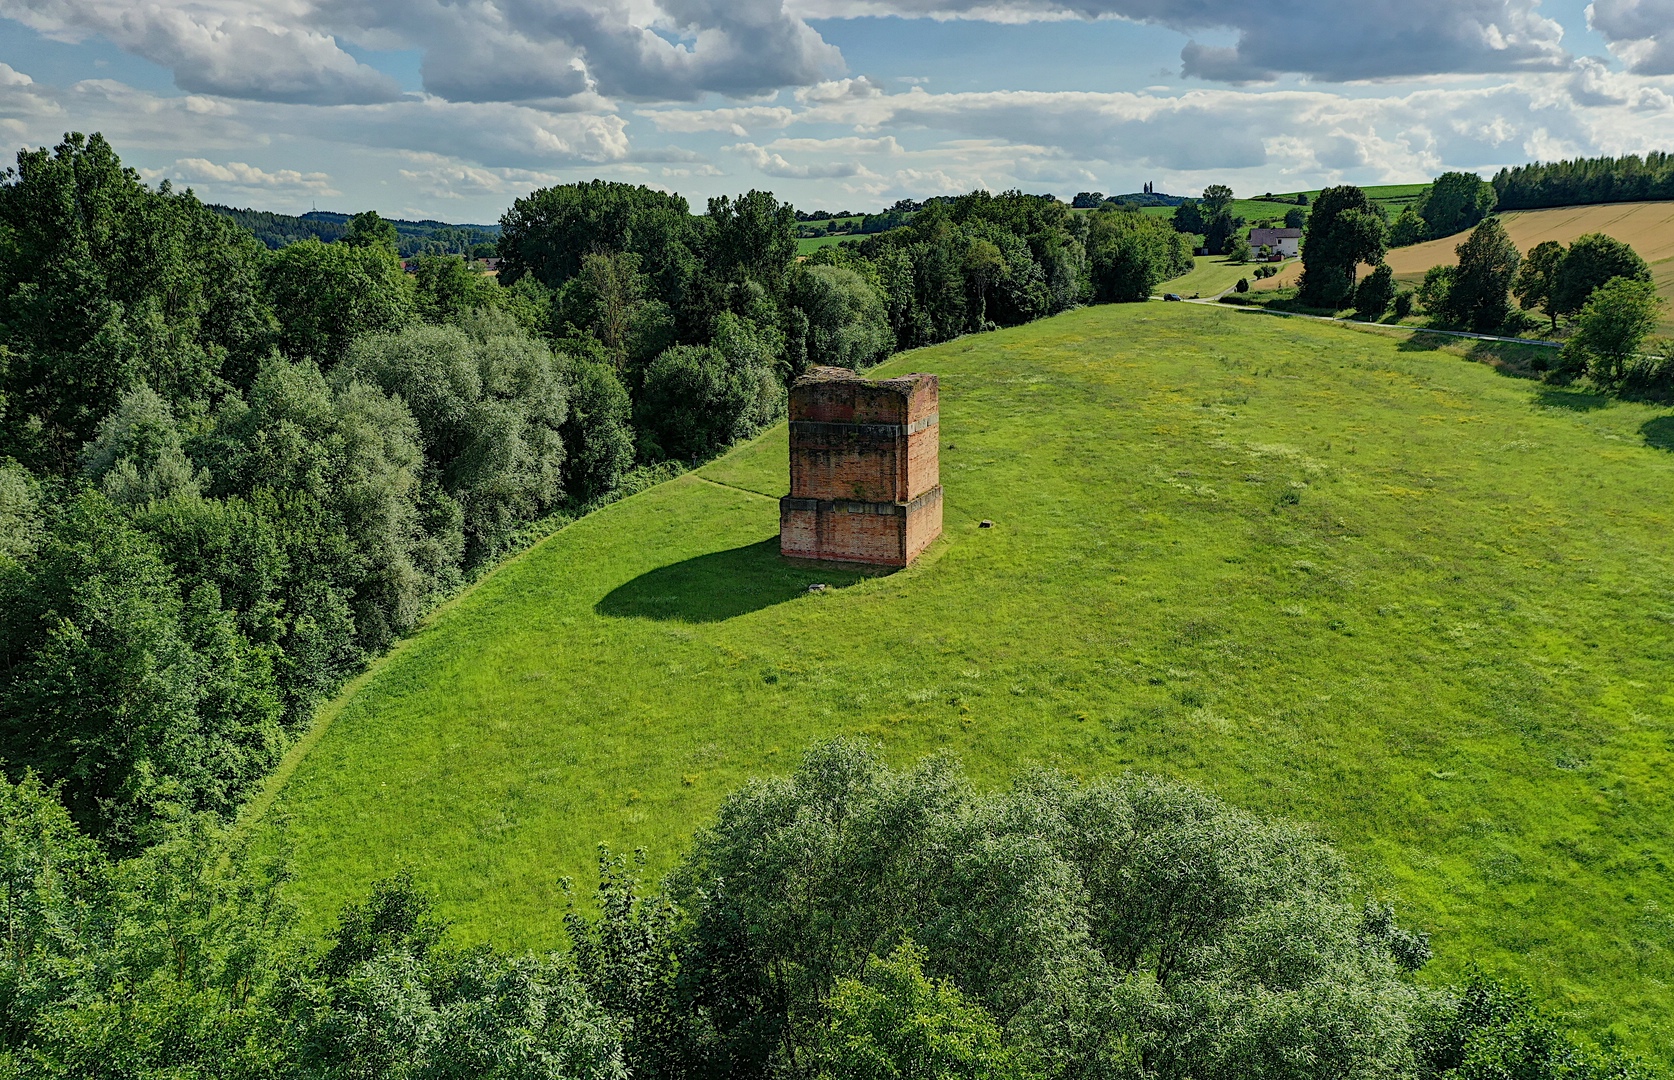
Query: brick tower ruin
(865,484)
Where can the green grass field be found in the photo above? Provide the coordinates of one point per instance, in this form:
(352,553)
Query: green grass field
(1392,197)
(1326,573)
(1212,276)
(807,245)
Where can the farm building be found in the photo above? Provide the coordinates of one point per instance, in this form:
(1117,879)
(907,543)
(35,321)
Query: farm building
(1287,242)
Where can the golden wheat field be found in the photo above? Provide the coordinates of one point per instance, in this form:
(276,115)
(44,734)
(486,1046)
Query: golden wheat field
(1648,226)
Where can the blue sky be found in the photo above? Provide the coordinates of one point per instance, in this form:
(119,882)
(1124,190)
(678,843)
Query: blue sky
(452,108)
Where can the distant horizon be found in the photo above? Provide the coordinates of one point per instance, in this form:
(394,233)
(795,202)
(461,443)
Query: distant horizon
(696,209)
(451,112)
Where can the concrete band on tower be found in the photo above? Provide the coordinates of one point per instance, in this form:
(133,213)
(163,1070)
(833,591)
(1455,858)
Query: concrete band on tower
(865,473)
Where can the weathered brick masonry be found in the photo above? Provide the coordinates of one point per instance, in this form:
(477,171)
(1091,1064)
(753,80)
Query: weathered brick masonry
(865,483)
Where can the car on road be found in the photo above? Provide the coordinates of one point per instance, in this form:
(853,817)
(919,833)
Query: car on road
(1172,296)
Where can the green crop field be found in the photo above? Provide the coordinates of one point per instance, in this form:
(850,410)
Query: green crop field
(1328,573)
(807,245)
(1392,197)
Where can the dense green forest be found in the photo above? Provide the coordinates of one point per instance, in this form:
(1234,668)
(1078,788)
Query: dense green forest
(1586,180)
(232,473)
(412,237)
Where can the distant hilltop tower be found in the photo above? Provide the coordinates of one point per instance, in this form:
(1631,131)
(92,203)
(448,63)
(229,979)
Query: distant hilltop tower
(864,473)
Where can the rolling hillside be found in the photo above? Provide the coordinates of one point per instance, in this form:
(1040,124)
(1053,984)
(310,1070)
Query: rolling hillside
(1649,227)
(1427,608)
(1392,197)
(1210,276)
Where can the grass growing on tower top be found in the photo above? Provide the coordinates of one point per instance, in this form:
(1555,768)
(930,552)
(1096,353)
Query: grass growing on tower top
(1325,573)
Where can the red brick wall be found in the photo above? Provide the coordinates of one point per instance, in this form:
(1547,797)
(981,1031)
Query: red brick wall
(923,462)
(843,531)
(864,468)
(844,461)
(839,396)
(924,523)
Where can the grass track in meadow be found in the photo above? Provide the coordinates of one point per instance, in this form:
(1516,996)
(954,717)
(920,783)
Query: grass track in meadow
(1211,276)
(1324,573)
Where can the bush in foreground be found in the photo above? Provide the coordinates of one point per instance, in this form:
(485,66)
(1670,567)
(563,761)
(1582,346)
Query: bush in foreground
(847,921)
(1613,327)
(1375,293)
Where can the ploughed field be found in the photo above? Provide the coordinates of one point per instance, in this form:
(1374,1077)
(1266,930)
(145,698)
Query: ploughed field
(1323,572)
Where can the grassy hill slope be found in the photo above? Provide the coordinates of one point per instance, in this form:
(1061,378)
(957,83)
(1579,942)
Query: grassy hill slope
(1648,226)
(1327,574)
(807,245)
(1392,197)
(1211,276)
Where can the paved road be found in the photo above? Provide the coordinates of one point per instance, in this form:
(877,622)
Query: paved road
(1375,326)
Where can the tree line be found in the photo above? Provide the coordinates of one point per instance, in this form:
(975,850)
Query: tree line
(1586,180)
(412,237)
(847,922)
(705,318)
(1453,203)
(232,474)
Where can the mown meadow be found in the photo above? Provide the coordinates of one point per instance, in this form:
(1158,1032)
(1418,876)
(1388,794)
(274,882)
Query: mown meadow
(1210,276)
(1371,585)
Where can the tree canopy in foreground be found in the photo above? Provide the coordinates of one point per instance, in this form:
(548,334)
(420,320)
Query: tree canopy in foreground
(849,920)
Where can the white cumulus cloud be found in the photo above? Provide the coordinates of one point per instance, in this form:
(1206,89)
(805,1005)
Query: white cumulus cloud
(1640,32)
(1335,40)
(738,122)
(234,48)
(642,50)
(774,164)
(239,174)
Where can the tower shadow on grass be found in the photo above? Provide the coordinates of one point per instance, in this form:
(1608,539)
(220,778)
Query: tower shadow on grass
(1659,433)
(723,585)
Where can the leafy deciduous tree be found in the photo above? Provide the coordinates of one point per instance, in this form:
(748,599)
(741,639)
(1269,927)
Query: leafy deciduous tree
(1612,328)
(1408,228)
(1216,198)
(1480,296)
(1456,201)
(1131,254)
(1344,230)
(105,284)
(325,294)
(892,1021)
(1537,279)
(1591,261)
(1375,293)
